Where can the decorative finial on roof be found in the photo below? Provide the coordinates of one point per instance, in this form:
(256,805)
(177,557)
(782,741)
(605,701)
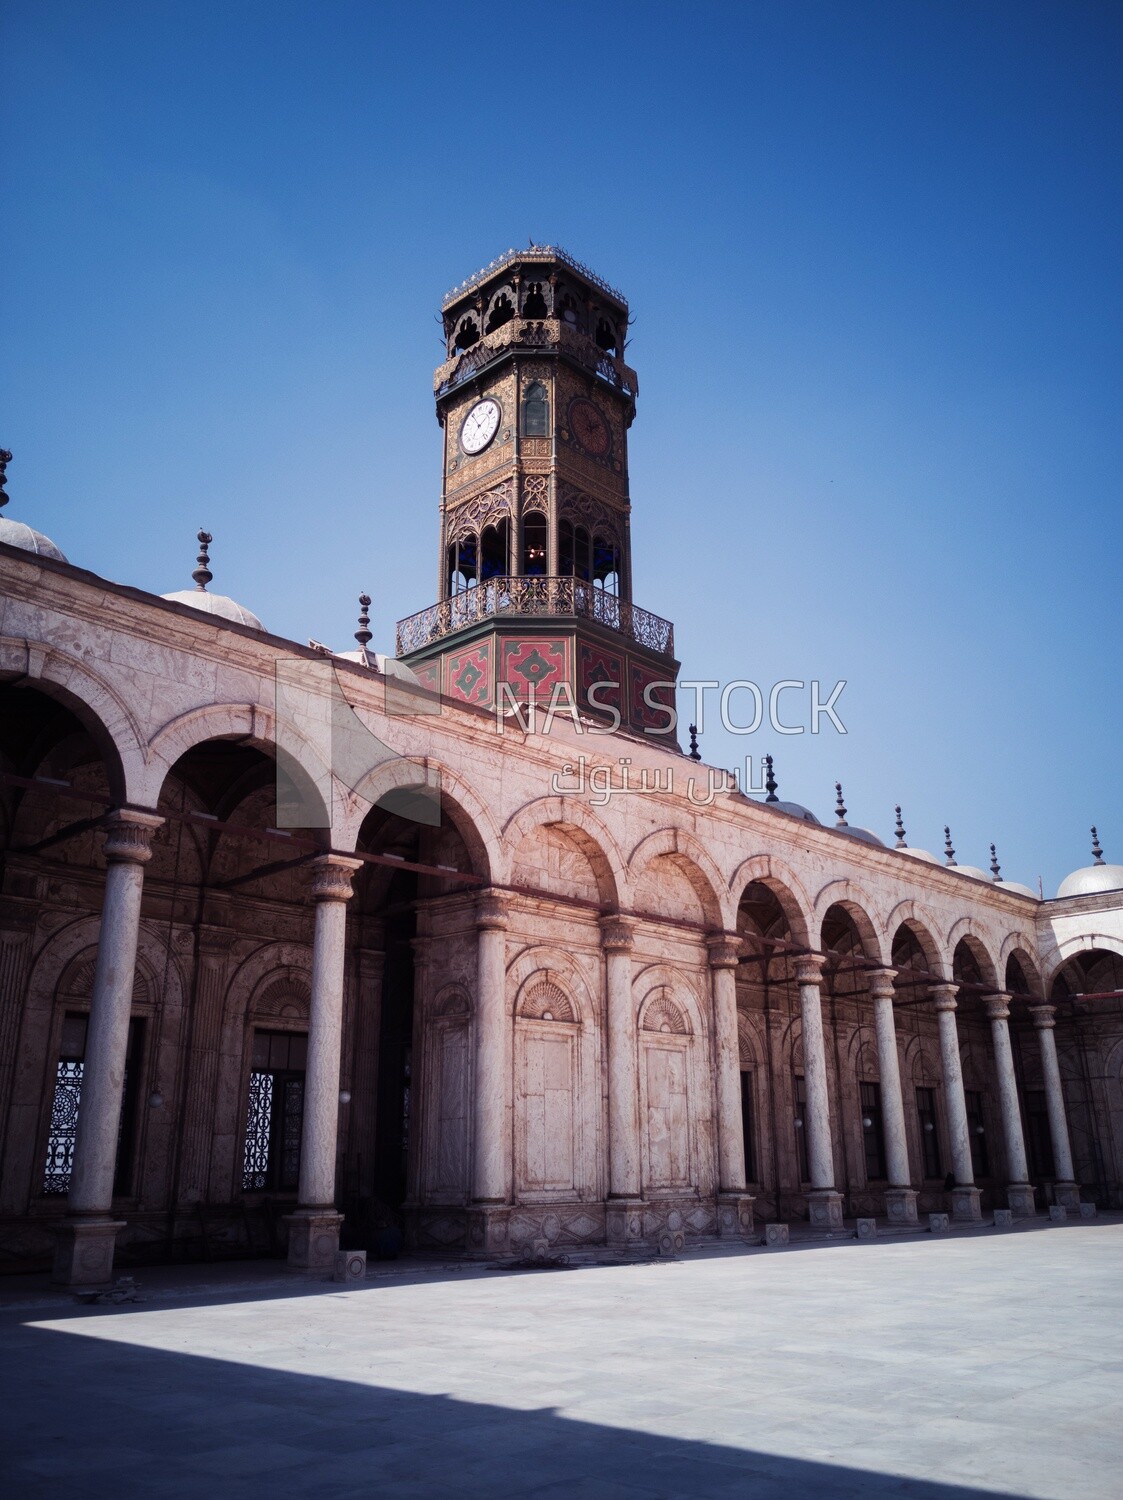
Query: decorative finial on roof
(5,460)
(899,830)
(839,807)
(949,852)
(202,574)
(695,753)
(769,781)
(995,867)
(1097,852)
(363,634)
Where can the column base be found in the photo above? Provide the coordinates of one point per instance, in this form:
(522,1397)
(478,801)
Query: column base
(313,1238)
(735,1215)
(1020,1200)
(824,1208)
(623,1222)
(966,1205)
(84,1251)
(487,1229)
(1067,1194)
(900,1205)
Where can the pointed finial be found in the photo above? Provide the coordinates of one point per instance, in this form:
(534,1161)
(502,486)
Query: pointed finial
(362,635)
(1097,852)
(202,574)
(995,867)
(5,460)
(695,753)
(770,782)
(899,829)
(949,852)
(839,807)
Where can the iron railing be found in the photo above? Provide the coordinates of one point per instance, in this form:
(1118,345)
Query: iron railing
(532,254)
(549,598)
(535,333)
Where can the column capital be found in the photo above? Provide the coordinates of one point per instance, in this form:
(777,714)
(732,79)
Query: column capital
(881,983)
(491,910)
(944,995)
(809,968)
(1044,1016)
(998,1007)
(331,876)
(129,834)
(725,949)
(617,933)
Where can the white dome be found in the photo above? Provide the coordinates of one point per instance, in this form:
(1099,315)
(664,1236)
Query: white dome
(389,666)
(1015,885)
(794,810)
(215,604)
(27,539)
(864,835)
(972,870)
(1090,879)
(921,854)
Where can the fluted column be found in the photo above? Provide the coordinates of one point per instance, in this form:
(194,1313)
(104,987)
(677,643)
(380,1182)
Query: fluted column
(824,1203)
(735,1205)
(900,1197)
(965,1195)
(1065,1190)
(491,1143)
(84,1250)
(314,1227)
(1019,1193)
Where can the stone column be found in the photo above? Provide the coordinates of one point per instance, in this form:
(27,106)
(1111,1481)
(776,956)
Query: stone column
(965,1195)
(900,1196)
(86,1237)
(824,1204)
(623,1221)
(491,1095)
(1065,1190)
(1019,1193)
(314,1227)
(735,1206)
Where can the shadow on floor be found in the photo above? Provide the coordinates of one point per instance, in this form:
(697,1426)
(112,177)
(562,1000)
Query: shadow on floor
(87,1418)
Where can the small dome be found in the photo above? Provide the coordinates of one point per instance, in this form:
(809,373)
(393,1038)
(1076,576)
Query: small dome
(27,539)
(973,871)
(794,810)
(389,666)
(215,604)
(921,854)
(1016,886)
(864,835)
(1091,879)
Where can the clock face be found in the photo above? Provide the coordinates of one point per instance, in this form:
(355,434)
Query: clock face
(589,427)
(480,426)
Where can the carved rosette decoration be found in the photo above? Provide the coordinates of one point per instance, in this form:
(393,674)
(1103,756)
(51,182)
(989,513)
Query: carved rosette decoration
(129,835)
(662,1014)
(331,877)
(616,934)
(725,950)
(546,1001)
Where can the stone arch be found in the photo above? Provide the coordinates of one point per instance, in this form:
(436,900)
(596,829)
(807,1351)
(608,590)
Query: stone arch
(464,807)
(785,885)
(284,995)
(1015,947)
(923,927)
(102,711)
(577,820)
(1072,947)
(970,933)
(681,986)
(750,1047)
(542,964)
(259,972)
(855,902)
(660,1013)
(452,1002)
(921,1061)
(694,863)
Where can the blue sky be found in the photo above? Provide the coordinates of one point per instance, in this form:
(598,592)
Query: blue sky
(873,253)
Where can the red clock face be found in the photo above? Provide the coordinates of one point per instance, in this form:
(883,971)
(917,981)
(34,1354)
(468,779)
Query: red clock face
(589,427)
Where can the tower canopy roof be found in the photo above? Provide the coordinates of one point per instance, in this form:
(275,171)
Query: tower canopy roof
(533,255)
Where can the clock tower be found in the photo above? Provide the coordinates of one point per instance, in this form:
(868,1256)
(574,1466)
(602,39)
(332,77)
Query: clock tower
(534,585)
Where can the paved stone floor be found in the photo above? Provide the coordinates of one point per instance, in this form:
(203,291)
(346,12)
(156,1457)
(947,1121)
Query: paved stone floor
(984,1362)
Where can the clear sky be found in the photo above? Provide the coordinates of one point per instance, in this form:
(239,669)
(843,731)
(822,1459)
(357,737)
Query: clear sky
(873,253)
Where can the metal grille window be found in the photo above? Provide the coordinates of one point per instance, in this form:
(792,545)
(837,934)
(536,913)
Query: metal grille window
(873,1132)
(67,1102)
(929,1135)
(275,1112)
(800,1127)
(747,1126)
(980,1159)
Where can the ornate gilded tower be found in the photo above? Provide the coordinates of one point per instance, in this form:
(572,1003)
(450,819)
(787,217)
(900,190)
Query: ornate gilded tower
(535,570)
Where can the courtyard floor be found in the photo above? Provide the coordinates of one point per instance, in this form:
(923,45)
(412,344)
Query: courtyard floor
(983,1362)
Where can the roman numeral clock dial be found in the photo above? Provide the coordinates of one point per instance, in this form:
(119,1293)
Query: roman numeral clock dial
(480,426)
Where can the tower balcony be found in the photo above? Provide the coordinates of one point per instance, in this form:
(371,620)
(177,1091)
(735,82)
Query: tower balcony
(536,333)
(535,598)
